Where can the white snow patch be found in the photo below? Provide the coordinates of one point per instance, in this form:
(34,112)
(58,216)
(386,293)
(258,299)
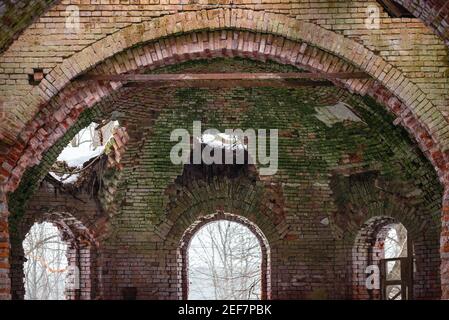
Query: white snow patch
(76,156)
(65,178)
(87,149)
(222,140)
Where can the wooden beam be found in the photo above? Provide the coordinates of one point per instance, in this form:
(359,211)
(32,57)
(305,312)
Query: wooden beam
(287,83)
(221,76)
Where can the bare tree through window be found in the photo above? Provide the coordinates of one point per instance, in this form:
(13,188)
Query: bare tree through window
(46,263)
(224,263)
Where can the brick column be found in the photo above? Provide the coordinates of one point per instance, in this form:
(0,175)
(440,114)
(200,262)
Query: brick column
(87,272)
(445,246)
(82,273)
(5,282)
(16,272)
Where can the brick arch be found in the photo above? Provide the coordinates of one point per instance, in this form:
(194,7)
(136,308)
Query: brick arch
(237,196)
(363,195)
(63,110)
(366,250)
(403,97)
(371,204)
(81,251)
(222,199)
(65,219)
(222,216)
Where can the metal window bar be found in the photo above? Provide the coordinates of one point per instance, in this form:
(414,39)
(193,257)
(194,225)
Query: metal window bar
(404,282)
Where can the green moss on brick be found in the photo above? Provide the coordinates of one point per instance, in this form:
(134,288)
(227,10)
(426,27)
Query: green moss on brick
(34,175)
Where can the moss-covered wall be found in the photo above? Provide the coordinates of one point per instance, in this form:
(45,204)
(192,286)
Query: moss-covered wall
(34,175)
(309,256)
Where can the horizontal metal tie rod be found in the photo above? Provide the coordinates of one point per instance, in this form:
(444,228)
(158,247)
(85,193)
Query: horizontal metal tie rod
(222,76)
(287,83)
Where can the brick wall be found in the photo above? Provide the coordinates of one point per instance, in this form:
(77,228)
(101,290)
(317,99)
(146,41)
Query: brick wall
(5,282)
(433,13)
(302,249)
(153,205)
(139,247)
(78,218)
(17,16)
(345,18)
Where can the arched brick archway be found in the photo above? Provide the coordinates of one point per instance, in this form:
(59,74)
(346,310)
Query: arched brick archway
(79,223)
(60,108)
(327,51)
(419,111)
(377,211)
(365,253)
(368,250)
(220,216)
(81,252)
(235,200)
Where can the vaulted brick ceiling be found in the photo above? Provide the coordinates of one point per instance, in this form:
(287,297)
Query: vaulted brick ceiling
(17,15)
(315,140)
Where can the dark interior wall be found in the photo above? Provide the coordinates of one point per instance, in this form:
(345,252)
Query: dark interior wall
(309,152)
(310,211)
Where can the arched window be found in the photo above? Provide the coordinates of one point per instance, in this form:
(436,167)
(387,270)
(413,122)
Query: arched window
(224,263)
(224,256)
(394,252)
(46,265)
(383,261)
